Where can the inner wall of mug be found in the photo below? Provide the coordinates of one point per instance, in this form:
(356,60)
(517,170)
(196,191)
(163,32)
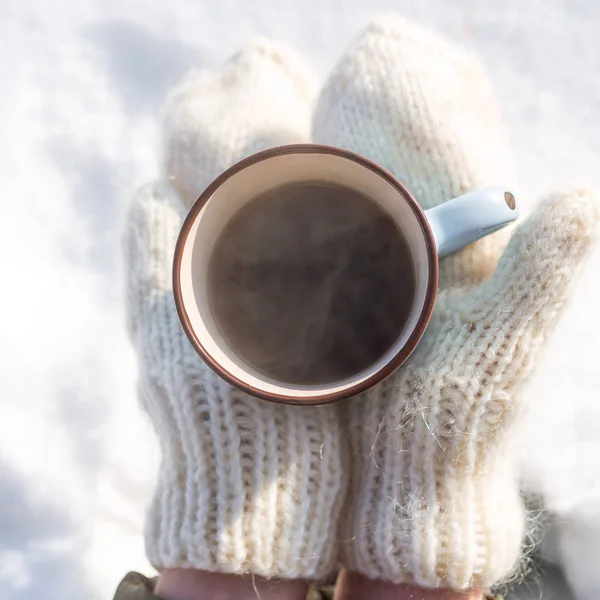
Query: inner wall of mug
(244,186)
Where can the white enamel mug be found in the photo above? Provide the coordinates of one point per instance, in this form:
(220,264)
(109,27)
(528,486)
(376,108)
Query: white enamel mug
(431,234)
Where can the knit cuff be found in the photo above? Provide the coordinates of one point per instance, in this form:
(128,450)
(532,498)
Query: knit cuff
(465,531)
(246,486)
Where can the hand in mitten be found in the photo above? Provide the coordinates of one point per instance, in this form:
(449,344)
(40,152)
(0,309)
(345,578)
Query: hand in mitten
(244,485)
(247,486)
(433,496)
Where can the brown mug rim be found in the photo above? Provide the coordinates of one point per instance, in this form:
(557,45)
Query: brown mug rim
(393,363)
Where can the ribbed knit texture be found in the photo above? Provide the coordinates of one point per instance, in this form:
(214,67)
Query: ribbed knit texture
(248,486)
(244,485)
(433,497)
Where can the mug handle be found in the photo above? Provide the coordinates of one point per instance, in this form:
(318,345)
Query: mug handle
(466,219)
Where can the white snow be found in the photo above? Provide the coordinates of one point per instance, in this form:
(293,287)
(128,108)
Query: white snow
(82,86)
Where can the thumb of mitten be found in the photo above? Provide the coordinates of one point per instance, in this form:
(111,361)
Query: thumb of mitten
(153,224)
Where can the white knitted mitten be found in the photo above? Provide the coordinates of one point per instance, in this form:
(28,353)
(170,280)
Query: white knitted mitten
(244,485)
(433,497)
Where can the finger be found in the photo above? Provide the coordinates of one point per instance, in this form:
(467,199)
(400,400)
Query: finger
(261,98)
(423,109)
(153,224)
(418,106)
(522,301)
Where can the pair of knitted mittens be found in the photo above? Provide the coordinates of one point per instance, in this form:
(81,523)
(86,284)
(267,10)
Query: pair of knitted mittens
(413,480)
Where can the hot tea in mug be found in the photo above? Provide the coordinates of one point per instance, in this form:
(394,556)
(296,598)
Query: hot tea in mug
(311,282)
(306,274)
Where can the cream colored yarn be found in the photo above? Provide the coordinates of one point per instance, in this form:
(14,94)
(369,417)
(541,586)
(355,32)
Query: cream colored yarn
(433,497)
(244,485)
(425,110)
(412,481)
(261,98)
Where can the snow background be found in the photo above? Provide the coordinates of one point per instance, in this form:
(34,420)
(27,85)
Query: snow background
(82,83)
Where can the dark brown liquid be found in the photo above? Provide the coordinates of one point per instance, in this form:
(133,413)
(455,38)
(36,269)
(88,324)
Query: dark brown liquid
(311,283)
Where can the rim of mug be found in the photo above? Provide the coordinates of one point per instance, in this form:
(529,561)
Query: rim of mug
(395,361)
